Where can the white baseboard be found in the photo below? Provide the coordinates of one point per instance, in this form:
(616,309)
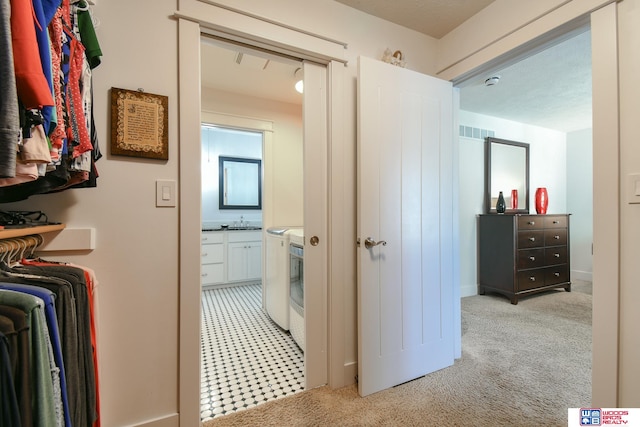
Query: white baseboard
(171,420)
(468,290)
(350,373)
(582,275)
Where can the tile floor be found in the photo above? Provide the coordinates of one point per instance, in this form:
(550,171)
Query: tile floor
(246,359)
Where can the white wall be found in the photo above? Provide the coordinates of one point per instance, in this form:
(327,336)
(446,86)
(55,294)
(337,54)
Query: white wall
(580,202)
(547,160)
(282,155)
(218,142)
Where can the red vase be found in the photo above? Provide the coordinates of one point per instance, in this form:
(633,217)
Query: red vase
(542,200)
(514,199)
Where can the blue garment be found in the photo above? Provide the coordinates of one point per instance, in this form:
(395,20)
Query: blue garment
(44,46)
(49,8)
(48,298)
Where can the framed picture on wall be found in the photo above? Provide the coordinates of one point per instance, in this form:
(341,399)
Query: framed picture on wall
(139,124)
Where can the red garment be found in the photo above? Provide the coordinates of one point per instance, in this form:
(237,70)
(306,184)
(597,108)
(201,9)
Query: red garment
(55,35)
(32,86)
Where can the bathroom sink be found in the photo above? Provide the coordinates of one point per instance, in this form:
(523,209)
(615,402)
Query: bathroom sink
(244,228)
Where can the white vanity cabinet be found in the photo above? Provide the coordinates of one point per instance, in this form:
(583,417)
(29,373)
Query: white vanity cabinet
(212,263)
(244,250)
(230,257)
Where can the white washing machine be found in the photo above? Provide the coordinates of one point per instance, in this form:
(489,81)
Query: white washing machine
(276,280)
(296,287)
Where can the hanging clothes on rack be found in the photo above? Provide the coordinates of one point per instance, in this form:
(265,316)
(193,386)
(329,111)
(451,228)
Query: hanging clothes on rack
(60,298)
(54,50)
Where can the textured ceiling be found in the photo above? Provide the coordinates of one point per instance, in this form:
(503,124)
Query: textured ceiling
(551,89)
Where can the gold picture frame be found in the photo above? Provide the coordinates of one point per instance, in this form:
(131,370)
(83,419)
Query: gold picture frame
(139,124)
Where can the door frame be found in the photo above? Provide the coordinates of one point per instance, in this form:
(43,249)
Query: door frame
(189,34)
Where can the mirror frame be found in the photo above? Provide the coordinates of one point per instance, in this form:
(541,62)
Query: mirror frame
(488,208)
(221,183)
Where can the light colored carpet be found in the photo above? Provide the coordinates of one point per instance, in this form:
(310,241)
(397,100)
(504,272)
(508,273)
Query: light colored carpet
(521,365)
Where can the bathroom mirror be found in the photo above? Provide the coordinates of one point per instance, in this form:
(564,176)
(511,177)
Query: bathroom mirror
(506,169)
(240,183)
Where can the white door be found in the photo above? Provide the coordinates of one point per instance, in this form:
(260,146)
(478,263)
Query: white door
(405,188)
(314,112)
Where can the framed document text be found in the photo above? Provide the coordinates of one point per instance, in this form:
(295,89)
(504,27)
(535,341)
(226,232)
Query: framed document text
(139,124)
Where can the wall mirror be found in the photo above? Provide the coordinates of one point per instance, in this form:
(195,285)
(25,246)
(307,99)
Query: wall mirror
(506,169)
(240,182)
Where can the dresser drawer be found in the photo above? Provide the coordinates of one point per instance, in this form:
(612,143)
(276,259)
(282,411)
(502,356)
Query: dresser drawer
(529,222)
(212,273)
(530,239)
(530,279)
(530,258)
(555,237)
(212,254)
(555,255)
(556,274)
(553,221)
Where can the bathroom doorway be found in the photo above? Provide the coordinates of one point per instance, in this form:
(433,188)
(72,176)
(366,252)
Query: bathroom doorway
(262,361)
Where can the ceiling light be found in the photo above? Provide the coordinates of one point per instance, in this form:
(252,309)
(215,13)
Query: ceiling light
(299,82)
(494,80)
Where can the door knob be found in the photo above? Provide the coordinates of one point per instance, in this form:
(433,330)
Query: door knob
(369,243)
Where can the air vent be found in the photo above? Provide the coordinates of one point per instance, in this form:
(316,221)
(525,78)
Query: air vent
(475,133)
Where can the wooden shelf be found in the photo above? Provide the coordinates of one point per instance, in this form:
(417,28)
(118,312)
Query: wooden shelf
(8,233)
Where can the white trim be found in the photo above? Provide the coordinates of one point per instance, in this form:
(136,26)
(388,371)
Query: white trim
(189,288)
(235,121)
(606,212)
(247,29)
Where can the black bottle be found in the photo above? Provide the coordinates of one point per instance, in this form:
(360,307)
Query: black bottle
(501,206)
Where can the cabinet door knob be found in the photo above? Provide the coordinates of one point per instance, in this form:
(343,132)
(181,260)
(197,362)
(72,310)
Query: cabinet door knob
(556,255)
(204,274)
(556,237)
(531,223)
(204,254)
(555,221)
(532,258)
(533,239)
(532,278)
(556,274)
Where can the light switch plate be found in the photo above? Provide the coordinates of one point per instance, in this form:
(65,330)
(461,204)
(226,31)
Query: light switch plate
(166,193)
(633,188)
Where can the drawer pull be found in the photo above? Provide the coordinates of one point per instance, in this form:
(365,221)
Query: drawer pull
(531,222)
(533,239)
(556,237)
(556,274)
(204,274)
(204,254)
(555,221)
(532,258)
(556,255)
(205,238)
(532,278)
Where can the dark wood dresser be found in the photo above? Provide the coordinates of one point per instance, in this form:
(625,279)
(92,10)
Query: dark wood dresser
(523,254)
